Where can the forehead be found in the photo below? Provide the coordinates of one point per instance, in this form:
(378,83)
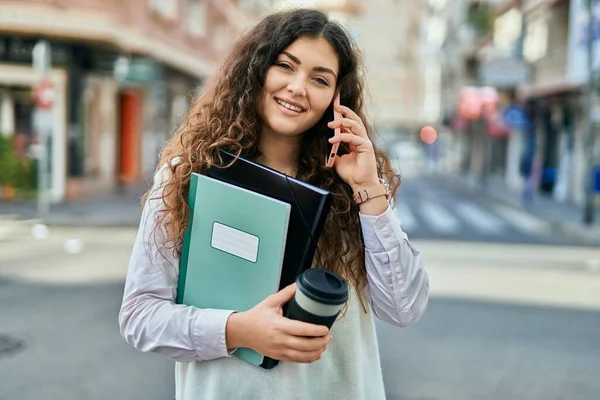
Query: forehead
(314,53)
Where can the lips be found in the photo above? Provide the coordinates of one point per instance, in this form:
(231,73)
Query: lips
(290,105)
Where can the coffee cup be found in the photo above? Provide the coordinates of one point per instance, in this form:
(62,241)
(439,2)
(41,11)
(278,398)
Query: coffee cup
(319,297)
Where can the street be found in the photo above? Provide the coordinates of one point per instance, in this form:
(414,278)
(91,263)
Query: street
(432,207)
(506,320)
(478,350)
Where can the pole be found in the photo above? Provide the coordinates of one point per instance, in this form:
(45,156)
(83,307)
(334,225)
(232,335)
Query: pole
(43,203)
(588,209)
(42,62)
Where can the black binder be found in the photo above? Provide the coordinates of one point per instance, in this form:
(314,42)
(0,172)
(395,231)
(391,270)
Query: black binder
(310,206)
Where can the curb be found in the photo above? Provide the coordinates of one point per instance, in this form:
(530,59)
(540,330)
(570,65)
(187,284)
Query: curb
(16,228)
(590,236)
(13,227)
(71,222)
(94,216)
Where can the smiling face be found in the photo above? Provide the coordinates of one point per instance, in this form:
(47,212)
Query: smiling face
(298,87)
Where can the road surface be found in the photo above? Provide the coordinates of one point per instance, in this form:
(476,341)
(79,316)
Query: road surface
(505,321)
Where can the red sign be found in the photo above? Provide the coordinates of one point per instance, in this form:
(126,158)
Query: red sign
(43,93)
(495,126)
(469,105)
(473,102)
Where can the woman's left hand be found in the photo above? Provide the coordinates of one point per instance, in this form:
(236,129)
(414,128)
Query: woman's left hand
(359,167)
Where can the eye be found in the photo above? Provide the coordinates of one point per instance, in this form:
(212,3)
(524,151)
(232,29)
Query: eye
(284,65)
(322,81)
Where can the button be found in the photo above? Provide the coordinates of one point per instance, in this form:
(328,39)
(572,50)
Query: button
(379,226)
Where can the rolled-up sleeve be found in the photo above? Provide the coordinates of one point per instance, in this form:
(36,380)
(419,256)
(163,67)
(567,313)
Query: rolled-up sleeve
(149,318)
(398,285)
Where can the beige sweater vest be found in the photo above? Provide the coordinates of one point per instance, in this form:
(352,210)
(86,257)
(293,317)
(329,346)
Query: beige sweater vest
(349,369)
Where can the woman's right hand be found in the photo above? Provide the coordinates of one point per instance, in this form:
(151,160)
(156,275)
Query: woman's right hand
(265,330)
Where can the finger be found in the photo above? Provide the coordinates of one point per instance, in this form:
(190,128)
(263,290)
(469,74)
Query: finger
(281,297)
(307,344)
(351,125)
(362,144)
(302,357)
(348,113)
(299,328)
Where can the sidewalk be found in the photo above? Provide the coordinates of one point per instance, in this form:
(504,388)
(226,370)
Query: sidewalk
(566,218)
(111,209)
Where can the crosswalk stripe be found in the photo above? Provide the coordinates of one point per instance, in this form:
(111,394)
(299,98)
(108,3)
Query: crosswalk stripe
(443,220)
(480,219)
(438,218)
(407,218)
(522,220)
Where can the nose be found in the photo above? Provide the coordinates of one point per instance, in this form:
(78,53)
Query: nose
(297,87)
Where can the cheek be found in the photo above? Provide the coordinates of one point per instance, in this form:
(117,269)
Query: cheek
(274,81)
(320,105)
(260,106)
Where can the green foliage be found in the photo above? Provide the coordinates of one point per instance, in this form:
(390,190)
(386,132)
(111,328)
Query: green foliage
(7,161)
(14,172)
(481,17)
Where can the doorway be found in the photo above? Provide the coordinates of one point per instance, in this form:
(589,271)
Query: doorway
(129,142)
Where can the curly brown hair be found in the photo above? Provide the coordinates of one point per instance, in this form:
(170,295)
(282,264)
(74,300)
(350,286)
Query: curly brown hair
(226,116)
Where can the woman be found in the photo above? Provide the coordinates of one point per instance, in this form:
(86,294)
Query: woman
(273,101)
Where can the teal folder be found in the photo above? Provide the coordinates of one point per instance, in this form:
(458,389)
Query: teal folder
(233,248)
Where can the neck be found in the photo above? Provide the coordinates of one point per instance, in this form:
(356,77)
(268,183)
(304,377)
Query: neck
(279,152)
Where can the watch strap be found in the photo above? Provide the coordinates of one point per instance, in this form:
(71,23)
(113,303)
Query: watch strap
(381,189)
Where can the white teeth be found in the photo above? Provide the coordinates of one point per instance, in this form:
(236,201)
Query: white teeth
(289,106)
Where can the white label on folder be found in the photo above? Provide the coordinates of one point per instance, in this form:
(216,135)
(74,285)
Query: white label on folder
(235,242)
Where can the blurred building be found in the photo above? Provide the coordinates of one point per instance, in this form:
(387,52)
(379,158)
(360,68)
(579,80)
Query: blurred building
(403,85)
(481,50)
(533,53)
(123,74)
(555,46)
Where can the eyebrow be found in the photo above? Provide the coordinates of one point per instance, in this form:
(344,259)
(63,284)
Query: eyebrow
(318,69)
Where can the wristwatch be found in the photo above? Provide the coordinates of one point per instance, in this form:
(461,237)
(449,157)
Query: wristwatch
(381,189)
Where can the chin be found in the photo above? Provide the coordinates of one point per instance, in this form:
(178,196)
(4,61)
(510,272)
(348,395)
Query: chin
(286,128)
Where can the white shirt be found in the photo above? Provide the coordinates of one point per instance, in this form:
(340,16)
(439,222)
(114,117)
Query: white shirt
(397,289)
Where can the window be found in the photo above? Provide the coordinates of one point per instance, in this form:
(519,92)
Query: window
(221,37)
(535,45)
(507,30)
(164,8)
(196,18)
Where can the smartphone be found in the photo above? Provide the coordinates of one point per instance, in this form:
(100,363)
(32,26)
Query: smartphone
(333,149)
